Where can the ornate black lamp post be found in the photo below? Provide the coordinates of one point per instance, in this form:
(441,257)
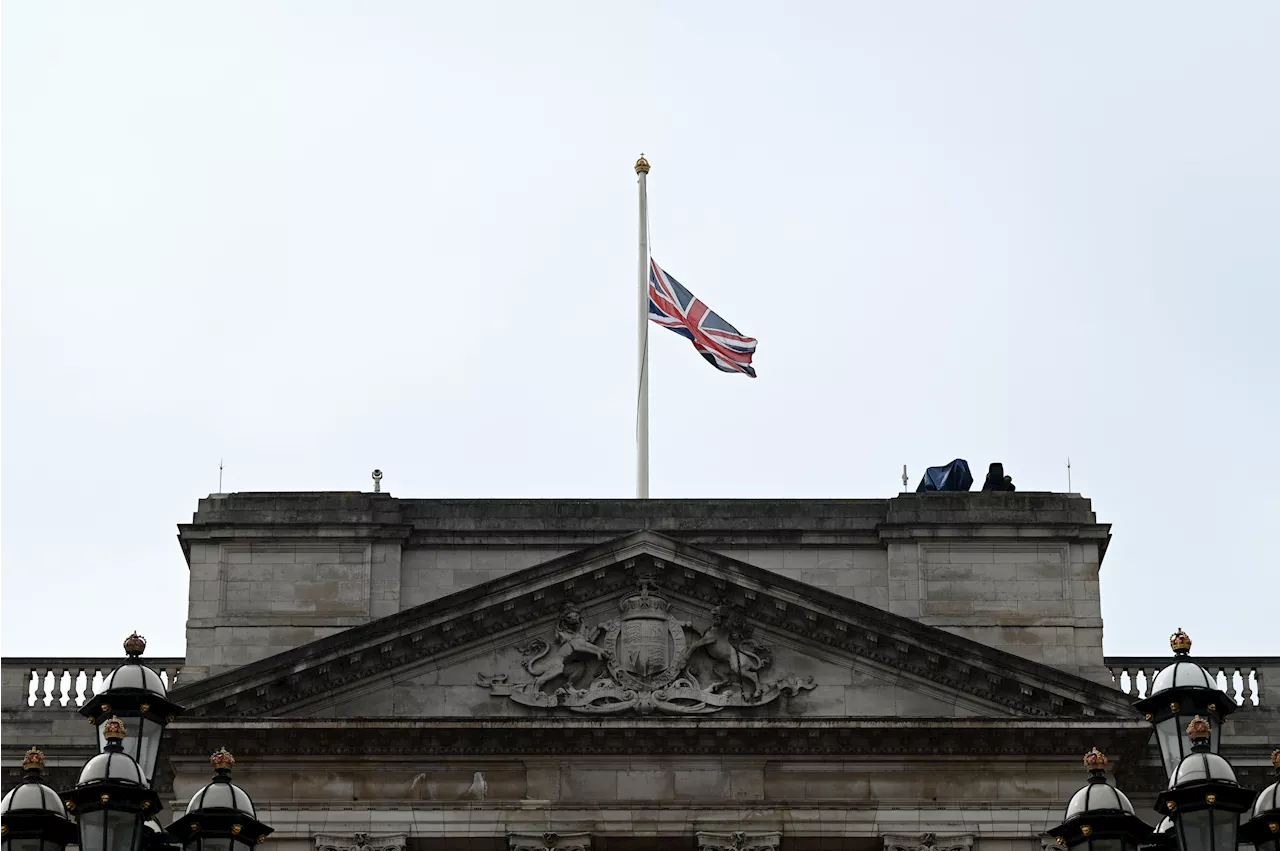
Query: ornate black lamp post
(220,816)
(1203,799)
(112,799)
(1262,830)
(137,696)
(1100,817)
(113,803)
(34,818)
(1179,693)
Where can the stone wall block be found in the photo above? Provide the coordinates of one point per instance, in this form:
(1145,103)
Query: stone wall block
(320,785)
(783,784)
(905,608)
(796,560)
(872,596)
(971,555)
(202,609)
(542,782)
(646,785)
(901,590)
(210,571)
(937,555)
(701,784)
(904,571)
(972,590)
(1043,607)
(1051,554)
(767,559)
(1039,572)
(947,607)
(584,784)
(835,560)
(819,578)
(746,784)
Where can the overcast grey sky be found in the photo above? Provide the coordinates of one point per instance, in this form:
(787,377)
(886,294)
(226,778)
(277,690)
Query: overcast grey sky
(316,238)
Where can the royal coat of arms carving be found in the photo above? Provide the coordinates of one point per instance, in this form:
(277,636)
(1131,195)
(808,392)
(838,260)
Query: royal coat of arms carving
(644,661)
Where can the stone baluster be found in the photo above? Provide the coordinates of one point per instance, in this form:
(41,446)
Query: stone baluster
(1229,675)
(43,686)
(1246,688)
(1129,682)
(80,686)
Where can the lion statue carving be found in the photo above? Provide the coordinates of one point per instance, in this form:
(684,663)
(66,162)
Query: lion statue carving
(574,639)
(732,648)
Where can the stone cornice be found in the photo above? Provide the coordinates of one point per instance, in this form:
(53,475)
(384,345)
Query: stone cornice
(505,737)
(538,593)
(582,522)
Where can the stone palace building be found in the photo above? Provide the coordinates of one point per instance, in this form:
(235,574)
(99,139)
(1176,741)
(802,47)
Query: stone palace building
(920,673)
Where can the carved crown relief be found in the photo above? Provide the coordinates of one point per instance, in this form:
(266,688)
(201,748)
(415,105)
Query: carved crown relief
(929,842)
(739,841)
(549,841)
(646,660)
(362,842)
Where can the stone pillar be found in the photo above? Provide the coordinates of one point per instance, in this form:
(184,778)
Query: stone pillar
(15,686)
(361,842)
(739,840)
(549,841)
(929,842)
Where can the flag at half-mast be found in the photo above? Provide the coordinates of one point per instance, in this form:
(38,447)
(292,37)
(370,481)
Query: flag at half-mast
(676,309)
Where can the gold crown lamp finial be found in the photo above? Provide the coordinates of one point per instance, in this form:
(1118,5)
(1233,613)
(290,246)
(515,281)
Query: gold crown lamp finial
(34,760)
(135,645)
(222,760)
(1198,730)
(1096,760)
(113,729)
(642,165)
(1180,642)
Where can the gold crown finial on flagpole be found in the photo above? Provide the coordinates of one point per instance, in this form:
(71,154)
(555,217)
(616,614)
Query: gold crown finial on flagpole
(642,165)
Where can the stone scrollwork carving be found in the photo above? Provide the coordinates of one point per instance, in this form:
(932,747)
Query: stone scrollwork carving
(549,841)
(929,842)
(646,655)
(362,842)
(739,840)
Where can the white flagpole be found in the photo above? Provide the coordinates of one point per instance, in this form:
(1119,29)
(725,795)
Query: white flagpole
(642,402)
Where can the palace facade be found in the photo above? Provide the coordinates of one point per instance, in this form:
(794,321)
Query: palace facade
(921,673)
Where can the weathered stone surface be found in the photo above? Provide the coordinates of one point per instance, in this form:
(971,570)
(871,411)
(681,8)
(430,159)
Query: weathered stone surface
(456,655)
(353,650)
(329,561)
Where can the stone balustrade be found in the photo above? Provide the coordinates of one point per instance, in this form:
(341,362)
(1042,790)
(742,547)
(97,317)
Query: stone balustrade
(1248,680)
(59,684)
(65,684)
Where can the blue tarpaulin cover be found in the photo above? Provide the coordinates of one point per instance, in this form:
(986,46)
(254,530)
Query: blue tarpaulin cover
(953,477)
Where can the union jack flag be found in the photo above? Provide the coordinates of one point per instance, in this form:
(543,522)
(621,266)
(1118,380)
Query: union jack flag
(676,309)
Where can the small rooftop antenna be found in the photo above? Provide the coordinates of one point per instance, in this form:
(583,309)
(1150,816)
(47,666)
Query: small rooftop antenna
(377,481)
(219,475)
(904,478)
(1069,474)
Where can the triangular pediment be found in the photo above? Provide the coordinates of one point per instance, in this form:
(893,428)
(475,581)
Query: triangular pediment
(646,625)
